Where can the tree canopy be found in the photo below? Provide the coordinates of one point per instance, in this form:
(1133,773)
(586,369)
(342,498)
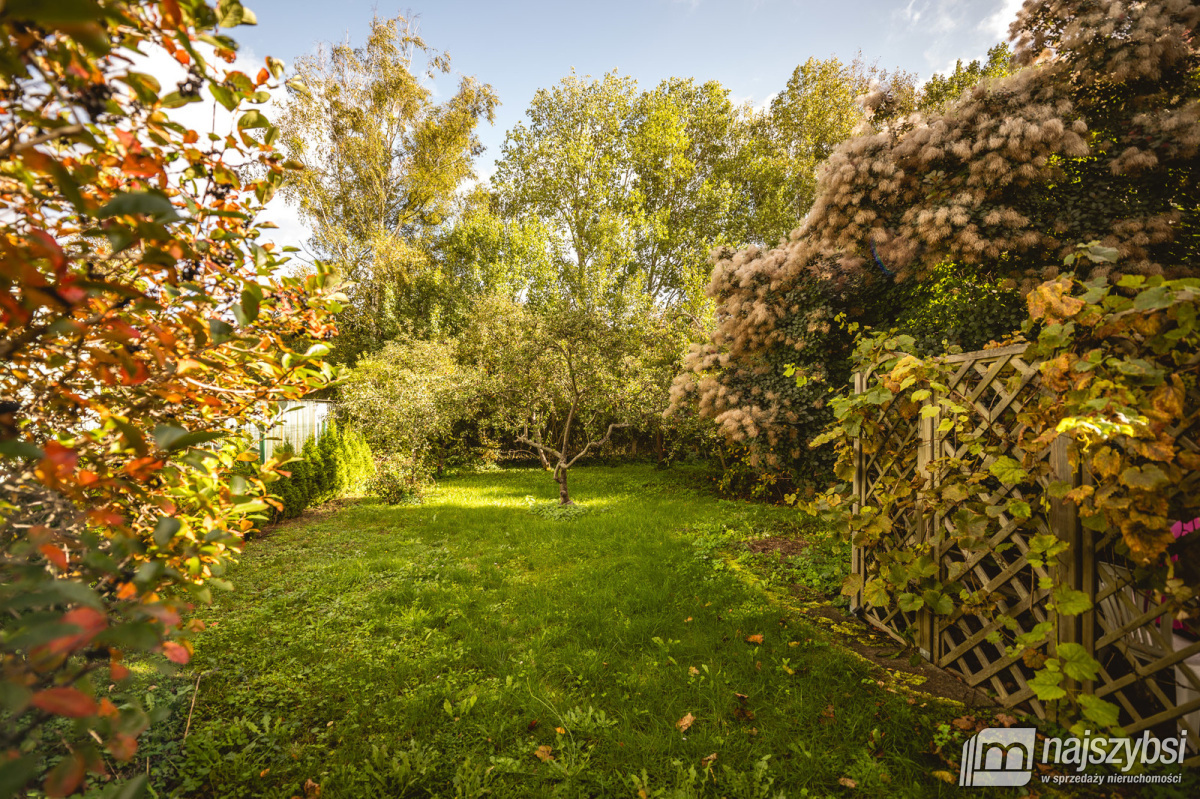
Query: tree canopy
(381,165)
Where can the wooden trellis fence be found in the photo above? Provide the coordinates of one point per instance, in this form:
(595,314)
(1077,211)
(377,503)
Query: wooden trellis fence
(1149,668)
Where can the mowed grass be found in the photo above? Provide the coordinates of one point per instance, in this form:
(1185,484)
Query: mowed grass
(468,646)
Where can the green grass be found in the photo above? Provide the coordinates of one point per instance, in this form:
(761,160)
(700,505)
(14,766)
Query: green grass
(431,650)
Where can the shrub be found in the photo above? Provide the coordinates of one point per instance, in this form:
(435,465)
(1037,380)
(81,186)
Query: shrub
(399,479)
(325,468)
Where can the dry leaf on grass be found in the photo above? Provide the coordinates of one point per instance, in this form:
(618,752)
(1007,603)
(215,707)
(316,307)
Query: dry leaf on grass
(849,783)
(708,761)
(754,639)
(684,723)
(693,670)
(945,776)
(560,730)
(542,753)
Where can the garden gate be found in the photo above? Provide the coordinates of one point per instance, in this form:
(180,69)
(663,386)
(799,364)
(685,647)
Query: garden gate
(1148,667)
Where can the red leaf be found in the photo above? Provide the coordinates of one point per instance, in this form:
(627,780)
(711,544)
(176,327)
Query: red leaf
(64,778)
(123,746)
(69,702)
(176,653)
(89,621)
(54,554)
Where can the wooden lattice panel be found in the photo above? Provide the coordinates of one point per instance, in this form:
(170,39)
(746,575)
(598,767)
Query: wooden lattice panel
(1150,669)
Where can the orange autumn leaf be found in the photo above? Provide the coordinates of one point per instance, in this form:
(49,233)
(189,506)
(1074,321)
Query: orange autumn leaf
(176,653)
(65,777)
(123,746)
(54,554)
(686,722)
(754,639)
(542,753)
(560,730)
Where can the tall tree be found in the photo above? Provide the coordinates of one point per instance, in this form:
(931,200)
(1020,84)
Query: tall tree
(633,186)
(381,165)
(817,110)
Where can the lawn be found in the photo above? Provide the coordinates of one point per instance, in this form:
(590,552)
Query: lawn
(476,643)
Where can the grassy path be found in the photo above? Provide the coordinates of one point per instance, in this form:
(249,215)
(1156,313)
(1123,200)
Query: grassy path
(469,645)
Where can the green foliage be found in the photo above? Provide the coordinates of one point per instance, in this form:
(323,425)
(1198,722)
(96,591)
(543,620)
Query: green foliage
(399,480)
(380,617)
(380,164)
(146,316)
(339,460)
(1119,381)
(941,90)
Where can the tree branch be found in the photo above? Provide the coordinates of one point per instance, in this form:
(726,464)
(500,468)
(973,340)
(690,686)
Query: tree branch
(599,443)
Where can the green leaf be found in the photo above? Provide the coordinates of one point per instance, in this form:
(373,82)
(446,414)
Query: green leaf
(54,12)
(148,203)
(20,449)
(1007,470)
(253,119)
(938,602)
(1106,714)
(14,774)
(231,13)
(876,594)
(930,411)
(165,530)
(852,584)
(1069,602)
(246,311)
(1077,663)
(910,602)
(223,96)
(1019,509)
(1046,683)
(921,395)
(1145,478)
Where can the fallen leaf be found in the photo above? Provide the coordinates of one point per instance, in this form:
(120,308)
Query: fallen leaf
(744,715)
(532,724)
(693,670)
(793,643)
(542,753)
(264,772)
(1006,719)
(741,697)
(945,776)
(688,619)
(849,783)
(753,730)
(963,723)
(754,639)
(685,722)
(708,761)
(560,731)
(311,789)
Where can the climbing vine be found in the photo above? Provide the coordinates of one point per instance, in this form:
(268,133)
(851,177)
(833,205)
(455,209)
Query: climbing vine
(1116,387)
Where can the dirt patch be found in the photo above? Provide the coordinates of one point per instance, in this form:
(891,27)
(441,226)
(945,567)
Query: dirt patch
(319,513)
(784,546)
(887,653)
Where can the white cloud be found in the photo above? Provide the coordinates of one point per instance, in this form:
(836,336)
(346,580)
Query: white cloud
(997,24)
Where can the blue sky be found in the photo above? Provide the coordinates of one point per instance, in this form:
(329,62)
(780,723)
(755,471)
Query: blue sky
(750,46)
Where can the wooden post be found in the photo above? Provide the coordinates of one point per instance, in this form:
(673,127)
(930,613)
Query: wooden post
(928,628)
(857,560)
(1064,524)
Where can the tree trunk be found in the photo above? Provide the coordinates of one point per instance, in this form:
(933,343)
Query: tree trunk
(560,475)
(658,443)
(441,462)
